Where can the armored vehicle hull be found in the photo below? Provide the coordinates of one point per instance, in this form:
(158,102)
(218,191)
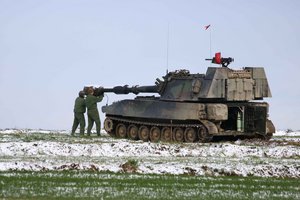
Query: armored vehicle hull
(151,119)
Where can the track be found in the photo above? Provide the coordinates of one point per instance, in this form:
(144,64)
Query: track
(166,132)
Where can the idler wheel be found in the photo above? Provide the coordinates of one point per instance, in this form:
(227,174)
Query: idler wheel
(121,131)
(178,134)
(144,133)
(190,135)
(270,129)
(203,134)
(108,125)
(133,132)
(166,134)
(154,134)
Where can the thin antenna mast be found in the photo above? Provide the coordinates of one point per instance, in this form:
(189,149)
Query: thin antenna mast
(210,42)
(208,27)
(168,49)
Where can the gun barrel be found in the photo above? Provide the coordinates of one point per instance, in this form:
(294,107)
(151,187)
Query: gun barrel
(123,89)
(135,89)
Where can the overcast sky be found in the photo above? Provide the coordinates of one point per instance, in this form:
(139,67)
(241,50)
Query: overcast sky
(50,49)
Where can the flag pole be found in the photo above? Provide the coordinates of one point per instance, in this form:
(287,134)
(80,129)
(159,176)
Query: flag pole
(208,27)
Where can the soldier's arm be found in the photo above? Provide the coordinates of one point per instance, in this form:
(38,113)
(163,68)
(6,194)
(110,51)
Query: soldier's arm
(99,98)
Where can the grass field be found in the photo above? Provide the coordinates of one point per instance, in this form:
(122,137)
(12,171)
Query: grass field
(105,185)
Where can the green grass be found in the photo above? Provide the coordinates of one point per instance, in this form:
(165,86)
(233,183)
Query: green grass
(95,185)
(53,137)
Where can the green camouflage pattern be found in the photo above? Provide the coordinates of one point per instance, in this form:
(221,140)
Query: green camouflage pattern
(91,101)
(78,120)
(93,116)
(220,83)
(79,110)
(152,109)
(80,106)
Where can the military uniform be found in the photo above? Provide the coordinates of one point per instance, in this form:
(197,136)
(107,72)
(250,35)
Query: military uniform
(93,114)
(79,110)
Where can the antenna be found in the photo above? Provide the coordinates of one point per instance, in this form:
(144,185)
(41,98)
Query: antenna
(208,27)
(168,36)
(210,42)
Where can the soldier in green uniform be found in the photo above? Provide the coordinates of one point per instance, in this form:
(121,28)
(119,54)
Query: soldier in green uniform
(93,114)
(79,110)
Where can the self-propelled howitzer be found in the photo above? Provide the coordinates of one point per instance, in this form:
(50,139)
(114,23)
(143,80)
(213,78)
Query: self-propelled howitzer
(193,107)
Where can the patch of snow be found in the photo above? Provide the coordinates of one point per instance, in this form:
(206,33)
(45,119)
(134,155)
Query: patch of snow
(276,158)
(287,133)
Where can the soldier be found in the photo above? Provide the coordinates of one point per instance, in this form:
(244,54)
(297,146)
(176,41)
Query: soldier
(93,114)
(79,110)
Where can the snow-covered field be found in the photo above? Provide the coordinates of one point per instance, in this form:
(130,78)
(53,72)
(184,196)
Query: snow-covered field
(40,150)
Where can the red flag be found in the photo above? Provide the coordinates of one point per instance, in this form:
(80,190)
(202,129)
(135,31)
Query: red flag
(206,27)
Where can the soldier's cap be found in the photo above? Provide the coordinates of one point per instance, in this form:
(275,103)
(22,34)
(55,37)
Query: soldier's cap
(90,90)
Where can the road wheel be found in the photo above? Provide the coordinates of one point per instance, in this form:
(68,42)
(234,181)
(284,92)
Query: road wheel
(144,133)
(166,134)
(178,135)
(203,134)
(133,132)
(190,135)
(121,131)
(154,134)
